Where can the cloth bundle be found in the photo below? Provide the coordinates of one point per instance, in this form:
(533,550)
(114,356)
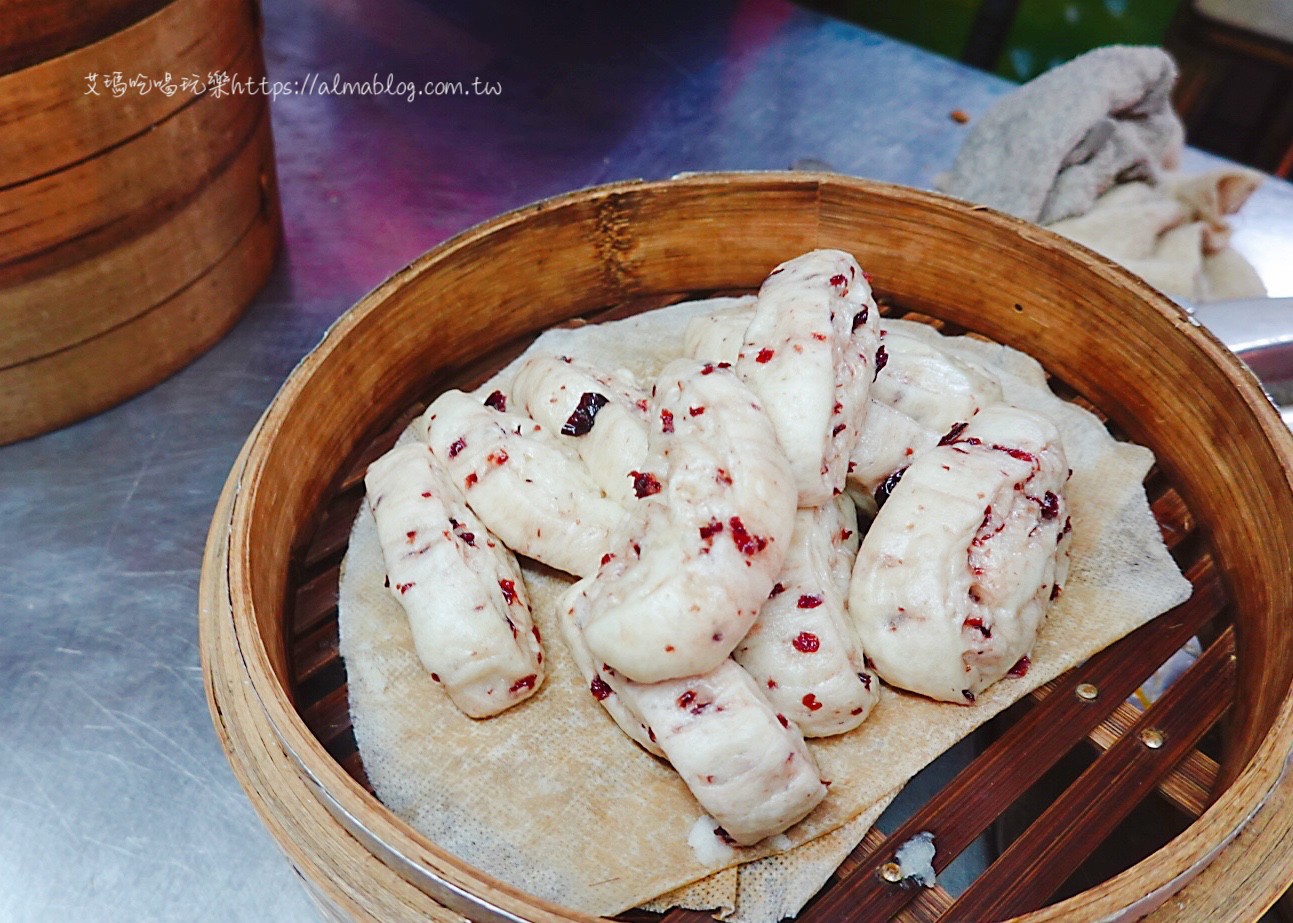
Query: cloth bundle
(1088,149)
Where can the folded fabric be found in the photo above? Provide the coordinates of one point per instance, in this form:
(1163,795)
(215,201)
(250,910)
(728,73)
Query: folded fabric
(1174,235)
(1048,150)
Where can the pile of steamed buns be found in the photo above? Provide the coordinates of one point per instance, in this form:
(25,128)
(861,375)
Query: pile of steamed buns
(728,605)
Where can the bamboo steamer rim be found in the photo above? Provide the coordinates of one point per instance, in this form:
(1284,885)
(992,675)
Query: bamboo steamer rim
(61,122)
(1131,894)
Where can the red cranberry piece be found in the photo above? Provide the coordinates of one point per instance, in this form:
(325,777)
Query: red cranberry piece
(686,699)
(865,680)
(1017,453)
(839,281)
(1020,668)
(866,275)
(525,682)
(861,316)
(839,428)
(806,642)
(599,689)
(470,480)
(607,557)
(426,495)
(534,629)
(497,400)
(695,411)
(881,360)
(845,534)
(777,590)
(977,623)
(725,365)
(1050,505)
(708,532)
(404,587)
(722,477)
(666,421)
(581,419)
(782,719)
(809,601)
(509,590)
(511,625)
(969,696)
(747,543)
(1056,590)
(497,458)
(887,487)
(645,484)
(457,446)
(953,433)
(810,702)
(772,683)
(707,368)
(765,355)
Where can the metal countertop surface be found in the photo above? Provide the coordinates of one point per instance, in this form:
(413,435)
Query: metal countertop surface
(115,799)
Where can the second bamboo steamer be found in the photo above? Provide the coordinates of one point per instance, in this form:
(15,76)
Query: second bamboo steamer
(138,202)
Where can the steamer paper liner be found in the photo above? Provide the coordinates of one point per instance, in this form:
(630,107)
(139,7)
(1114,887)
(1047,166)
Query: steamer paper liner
(551,797)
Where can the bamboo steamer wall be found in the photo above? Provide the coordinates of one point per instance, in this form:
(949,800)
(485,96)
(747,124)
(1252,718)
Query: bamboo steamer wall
(134,228)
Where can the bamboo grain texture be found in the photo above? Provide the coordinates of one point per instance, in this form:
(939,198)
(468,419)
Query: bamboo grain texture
(134,230)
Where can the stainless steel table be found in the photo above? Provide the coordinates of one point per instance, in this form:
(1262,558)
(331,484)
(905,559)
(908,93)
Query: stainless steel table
(115,800)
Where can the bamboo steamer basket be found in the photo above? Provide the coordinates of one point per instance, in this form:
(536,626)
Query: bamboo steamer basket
(134,229)
(1222,491)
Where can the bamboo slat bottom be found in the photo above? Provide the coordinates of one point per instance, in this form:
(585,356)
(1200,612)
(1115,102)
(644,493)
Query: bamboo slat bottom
(1057,721)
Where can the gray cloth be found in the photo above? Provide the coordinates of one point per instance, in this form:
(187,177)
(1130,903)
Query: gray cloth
(1048,150)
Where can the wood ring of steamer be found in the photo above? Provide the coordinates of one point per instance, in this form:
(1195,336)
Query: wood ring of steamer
(57,311)
(94,375)
(61,218)
(32,31)
(50,121)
